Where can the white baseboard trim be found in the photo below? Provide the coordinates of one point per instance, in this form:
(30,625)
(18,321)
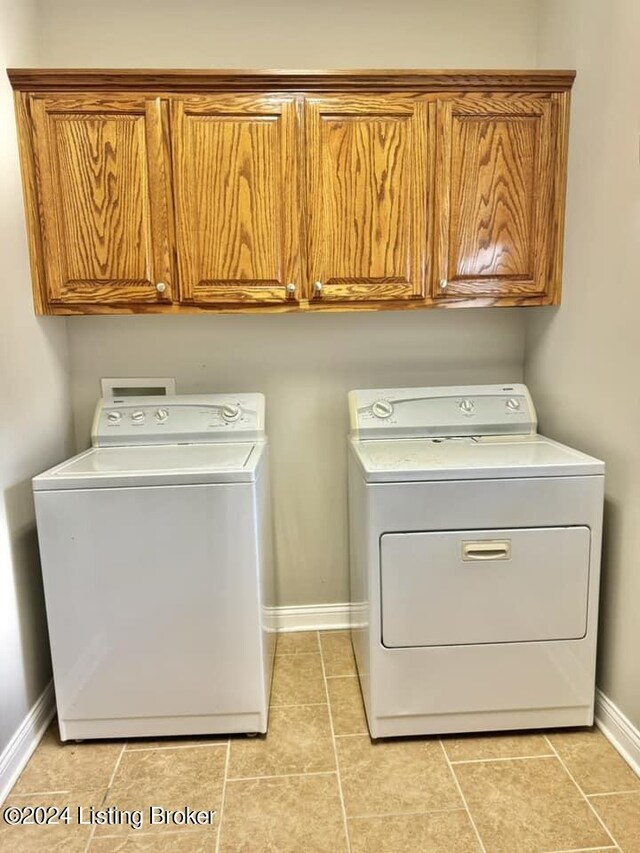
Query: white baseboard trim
(309,617)
(618,730)
(28,735)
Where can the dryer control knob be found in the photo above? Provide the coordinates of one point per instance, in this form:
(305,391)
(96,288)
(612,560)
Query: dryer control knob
(162,415)
(114,417)
(513,404)
(382,409)
(230,412)
(467,406)
(138,416)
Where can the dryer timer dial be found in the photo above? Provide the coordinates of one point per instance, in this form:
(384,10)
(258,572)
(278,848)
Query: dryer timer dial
(230,412)
(382,409)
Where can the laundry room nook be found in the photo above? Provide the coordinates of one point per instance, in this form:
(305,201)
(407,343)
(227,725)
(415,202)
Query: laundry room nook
(320,481)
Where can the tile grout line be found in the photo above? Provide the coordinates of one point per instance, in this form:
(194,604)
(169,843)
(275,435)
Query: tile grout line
(464,799)
(335,748)
(90,838)
(113,776)
(178,746)
(583,849)
(37,793)
(224,791)
(509,758)
(615,793)
(582,794)
(117,765)
(281,776)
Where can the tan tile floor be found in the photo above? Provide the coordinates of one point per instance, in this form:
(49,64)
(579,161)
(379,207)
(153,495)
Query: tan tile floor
(317,784)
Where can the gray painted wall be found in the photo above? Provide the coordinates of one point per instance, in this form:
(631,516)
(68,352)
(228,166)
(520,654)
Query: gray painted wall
(35,412)
(582,359)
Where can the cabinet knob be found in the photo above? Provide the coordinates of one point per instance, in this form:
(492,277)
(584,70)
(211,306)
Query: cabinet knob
(161,287)
(443,284)
(317,288)
(291,289)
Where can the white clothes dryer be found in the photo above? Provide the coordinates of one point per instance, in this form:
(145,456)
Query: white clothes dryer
(157,569)
(475,563)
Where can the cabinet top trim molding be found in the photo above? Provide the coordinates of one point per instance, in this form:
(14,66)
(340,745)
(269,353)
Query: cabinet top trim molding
(184,80)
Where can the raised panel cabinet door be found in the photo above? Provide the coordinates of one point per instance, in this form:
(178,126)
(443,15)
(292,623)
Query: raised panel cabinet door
(497,177)
(235,162)
(101,166)
(366,197)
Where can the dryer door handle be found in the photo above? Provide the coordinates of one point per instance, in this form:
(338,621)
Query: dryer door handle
(486,550)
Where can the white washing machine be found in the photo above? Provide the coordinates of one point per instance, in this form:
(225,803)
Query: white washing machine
(475,563)
(157,568)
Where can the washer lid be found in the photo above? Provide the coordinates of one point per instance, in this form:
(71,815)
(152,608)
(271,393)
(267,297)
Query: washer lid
(102,467)
(480,458)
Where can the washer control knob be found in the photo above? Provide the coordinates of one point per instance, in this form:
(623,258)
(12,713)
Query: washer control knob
(138,416)
(467,406)
(230,412)
(114,417)
(162,415)
(513,404)
(382,409)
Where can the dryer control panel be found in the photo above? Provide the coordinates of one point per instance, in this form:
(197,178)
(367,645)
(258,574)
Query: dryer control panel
(460,410)
(178,419)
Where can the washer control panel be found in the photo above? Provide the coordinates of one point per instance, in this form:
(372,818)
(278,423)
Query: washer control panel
(446,411)
(178,419)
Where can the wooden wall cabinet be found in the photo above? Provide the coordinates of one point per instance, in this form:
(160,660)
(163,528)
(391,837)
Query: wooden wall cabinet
(100,200)
(236,184)
(269,191)
(498,196)
(366,160)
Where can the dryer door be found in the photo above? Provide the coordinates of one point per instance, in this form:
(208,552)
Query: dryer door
(484,586)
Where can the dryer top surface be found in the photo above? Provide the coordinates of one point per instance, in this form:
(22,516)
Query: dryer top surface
(464,458)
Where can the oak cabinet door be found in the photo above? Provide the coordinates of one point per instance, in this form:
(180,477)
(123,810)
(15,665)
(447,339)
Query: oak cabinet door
(495,176)
(366,197)
(101,170)
(235,161)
